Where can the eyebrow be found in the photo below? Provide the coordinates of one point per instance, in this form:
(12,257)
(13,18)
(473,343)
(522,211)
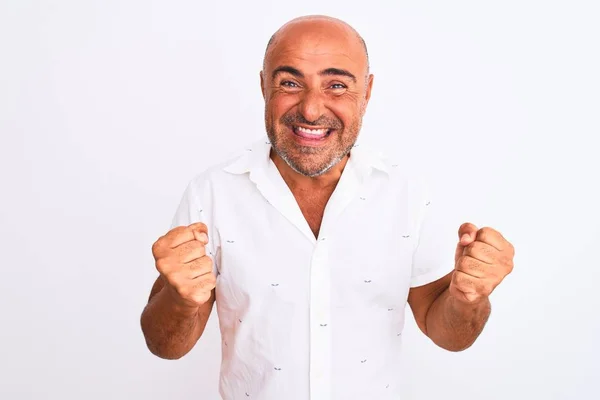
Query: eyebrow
(326,72)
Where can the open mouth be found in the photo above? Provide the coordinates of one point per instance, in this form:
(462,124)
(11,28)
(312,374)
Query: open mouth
(312,133)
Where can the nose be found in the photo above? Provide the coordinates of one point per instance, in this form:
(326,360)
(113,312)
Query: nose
(312,105)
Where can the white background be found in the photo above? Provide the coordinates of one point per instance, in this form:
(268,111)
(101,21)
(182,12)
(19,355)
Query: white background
(109,108)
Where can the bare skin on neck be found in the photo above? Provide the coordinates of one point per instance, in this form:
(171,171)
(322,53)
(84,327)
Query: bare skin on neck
(311,194)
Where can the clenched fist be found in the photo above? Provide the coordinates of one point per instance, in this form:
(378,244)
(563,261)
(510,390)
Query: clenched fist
(483,259)
(181,260)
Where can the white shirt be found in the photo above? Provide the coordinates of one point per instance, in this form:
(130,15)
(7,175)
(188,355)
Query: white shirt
(314,318)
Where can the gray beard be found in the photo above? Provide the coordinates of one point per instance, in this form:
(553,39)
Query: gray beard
(306,150)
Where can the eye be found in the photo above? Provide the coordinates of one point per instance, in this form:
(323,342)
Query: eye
(338,86)
(289,84)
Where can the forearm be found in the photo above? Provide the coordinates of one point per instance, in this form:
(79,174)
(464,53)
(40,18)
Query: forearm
(171,329)
(454,325)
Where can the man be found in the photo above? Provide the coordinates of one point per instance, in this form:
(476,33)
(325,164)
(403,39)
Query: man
(311,247)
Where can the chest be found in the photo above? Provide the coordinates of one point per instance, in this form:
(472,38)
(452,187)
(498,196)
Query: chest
(312,206)
(365,255)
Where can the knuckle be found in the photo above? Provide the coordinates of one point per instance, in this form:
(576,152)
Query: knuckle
(201,298)
(510,264)
(511,248)
(454,279)
(211,280)
(173,233)
(177,229)
(157,246)
(487,288)
(487,230)
(162,265)
(458,278)
(483,234)
(198,226)
(181,290)
(172,279)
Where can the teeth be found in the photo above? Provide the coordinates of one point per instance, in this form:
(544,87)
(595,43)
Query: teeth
(312,131)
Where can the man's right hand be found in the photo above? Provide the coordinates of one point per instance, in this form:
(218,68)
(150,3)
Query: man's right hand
(180,258)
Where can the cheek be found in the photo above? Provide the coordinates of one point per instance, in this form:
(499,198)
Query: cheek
(348,113)
(278,105)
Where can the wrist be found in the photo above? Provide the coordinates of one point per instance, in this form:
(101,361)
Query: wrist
(180,305)
(459,303)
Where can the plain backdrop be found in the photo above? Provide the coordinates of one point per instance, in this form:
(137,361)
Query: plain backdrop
(109,108)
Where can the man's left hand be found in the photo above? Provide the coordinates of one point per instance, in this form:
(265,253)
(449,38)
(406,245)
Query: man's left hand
(483,259)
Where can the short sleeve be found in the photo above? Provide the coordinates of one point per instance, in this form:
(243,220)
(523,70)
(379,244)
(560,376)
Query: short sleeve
(433,257)
(196,206)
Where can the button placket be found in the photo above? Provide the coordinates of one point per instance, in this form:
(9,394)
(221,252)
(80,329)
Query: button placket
(320,332)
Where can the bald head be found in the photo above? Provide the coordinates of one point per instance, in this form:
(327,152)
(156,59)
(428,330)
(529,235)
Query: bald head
(316,23)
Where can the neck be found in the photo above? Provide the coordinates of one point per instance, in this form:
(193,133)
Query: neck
(298,181)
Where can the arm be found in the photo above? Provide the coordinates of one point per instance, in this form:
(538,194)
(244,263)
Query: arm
(182,297)
(451,324)
(171,329)
(453,310)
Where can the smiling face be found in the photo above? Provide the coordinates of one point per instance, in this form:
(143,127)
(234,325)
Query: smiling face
(316,88)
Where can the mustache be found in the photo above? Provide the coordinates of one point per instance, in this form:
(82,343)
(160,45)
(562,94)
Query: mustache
(322,121)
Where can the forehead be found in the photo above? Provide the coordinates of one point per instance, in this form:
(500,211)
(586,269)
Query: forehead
(314,46)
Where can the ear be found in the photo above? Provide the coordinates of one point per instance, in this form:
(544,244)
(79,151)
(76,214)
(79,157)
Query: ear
(262,85)
(367,93)
(369,87)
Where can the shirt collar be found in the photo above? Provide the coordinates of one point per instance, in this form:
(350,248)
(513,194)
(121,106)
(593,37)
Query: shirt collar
(257,155)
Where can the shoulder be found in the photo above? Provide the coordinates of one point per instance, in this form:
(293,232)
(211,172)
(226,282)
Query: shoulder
(236,163)
(399,173)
